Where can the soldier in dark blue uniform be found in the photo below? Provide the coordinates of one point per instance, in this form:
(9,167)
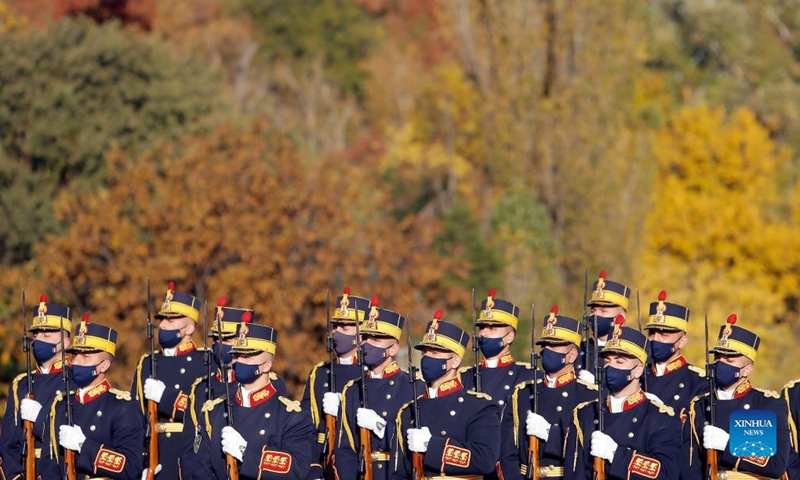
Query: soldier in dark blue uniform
(178,364)
(608,299)
(317,396)
(221,352)
(640,438)
(459,430)
(791,395)
(497,329)
(735,355)
(559,393)
(46,379)
(106,433)
(388,388)
(271,436)
(669,376)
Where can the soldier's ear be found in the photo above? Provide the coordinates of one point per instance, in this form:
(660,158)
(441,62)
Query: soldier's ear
(572,355)
(392,351)
(510,336)
(189,329)
(681,343)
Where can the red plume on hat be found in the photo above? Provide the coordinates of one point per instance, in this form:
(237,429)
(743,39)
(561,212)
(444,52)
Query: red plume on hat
(85,318)
(171,286)
(42,305)
(661,306)
(247,317)
(553,312)
(732,319)
(601,280)
(373,311)
(345,302)
(619,320)
(490,298)
(438,314)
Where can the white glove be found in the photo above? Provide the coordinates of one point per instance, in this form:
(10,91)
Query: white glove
(29,409)
(537,426)
(154,389)
(603,446)
(71,438)
(369,419)
(715,438)
(144,472)
(586,376)
(418,439)
(330,403)
(233,443)
(654,397)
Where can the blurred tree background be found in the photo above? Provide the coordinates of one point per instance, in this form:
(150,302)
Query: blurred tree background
(269,151)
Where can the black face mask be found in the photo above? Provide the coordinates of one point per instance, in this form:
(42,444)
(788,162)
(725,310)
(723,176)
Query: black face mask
(604,325)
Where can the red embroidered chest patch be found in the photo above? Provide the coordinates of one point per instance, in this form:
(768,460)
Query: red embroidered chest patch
(645,466)
(458,457)
(276,462)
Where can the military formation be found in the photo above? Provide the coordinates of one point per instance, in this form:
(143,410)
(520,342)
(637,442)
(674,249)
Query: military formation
(600,399)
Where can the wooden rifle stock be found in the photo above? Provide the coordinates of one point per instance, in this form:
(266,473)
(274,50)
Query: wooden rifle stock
(30,447)
(419,468)
(712,465)
(533,458)
(330,428)
(69,464)
(152,451)
(232,467)
(599,469)
(366,451)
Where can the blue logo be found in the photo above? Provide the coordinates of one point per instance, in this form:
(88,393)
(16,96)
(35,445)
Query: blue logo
(754,433)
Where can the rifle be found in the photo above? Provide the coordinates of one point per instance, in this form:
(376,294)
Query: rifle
(475,348)
(641,329)
(532,472)
(418,469)
(330,420)
(712,465)
(599,463)
(232,470)
(151,433)
(585,320)
(365,455)
(207,361)
(29,447)
(69,455)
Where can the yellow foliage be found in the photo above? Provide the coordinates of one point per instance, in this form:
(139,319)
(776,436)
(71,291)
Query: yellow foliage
(9,22)
(715,238)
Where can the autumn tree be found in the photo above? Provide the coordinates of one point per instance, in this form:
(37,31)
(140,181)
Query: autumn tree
(718,237)
(236,215)
(69,93)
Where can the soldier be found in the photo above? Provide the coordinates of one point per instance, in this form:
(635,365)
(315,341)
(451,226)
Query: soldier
(633,437)
(388,388)
(608,300)
(497,329)
(46,379)
(669,376)
(178,363)
(458,432)
(269,435)
(559,393)
(107,433)
(791,394)
(205,388)
(734,361)
(319,396)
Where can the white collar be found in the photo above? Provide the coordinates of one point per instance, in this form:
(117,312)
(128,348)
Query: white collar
(551,381)
(433,392)
(491,362)
(347,360)
(661,368)
(723,395)
(245,396)
(45,370)
(616,403)
(170,352)
(601,343)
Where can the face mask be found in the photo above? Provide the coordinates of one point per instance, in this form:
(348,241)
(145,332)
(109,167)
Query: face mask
(43,351)
(661,351)
(725,374)
(169,338)
(343,343)
(373,356)
(604,325)
(553,361)
(246,374)
(83,375)
(433,368)
(227,356)
(490,347)
(617,379)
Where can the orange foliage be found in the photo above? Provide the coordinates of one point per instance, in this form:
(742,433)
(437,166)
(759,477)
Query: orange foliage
(239,215)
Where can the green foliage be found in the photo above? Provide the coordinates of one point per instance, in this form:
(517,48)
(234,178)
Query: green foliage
(70,93)
(300,31)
